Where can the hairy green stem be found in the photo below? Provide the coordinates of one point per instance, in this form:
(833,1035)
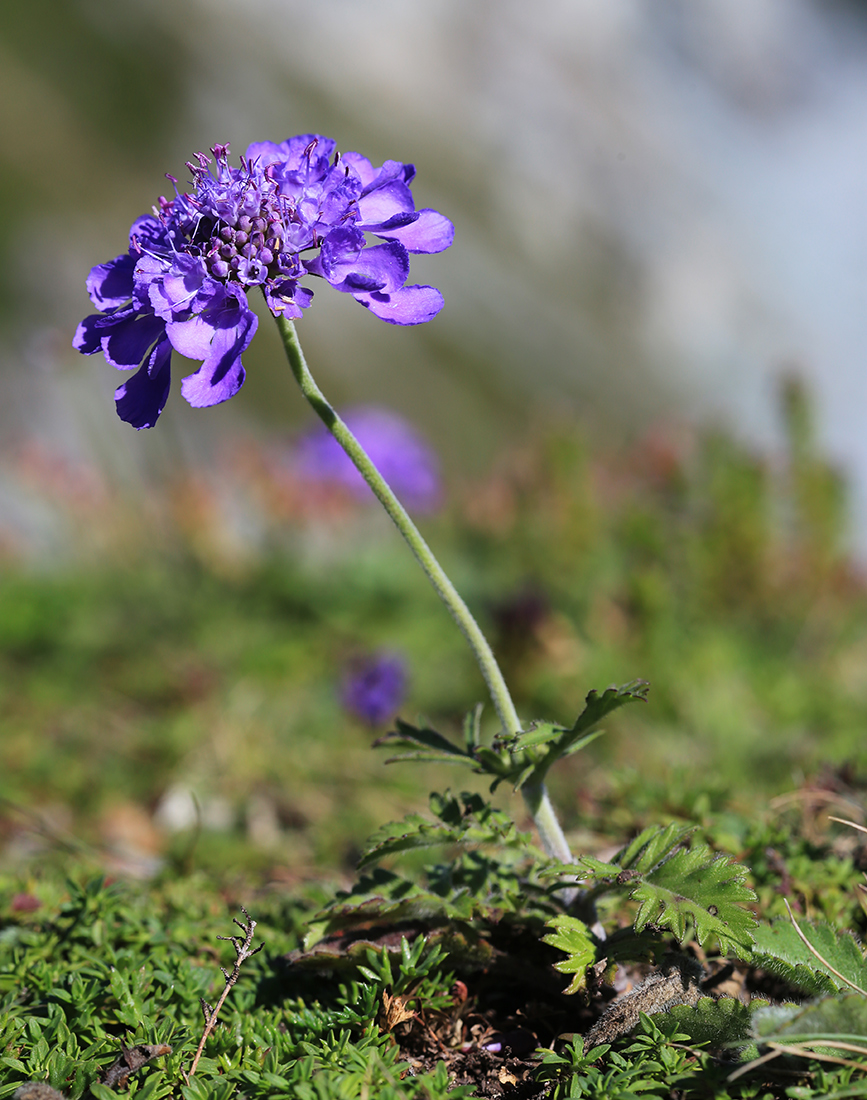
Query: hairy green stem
(538,802)
(536,797)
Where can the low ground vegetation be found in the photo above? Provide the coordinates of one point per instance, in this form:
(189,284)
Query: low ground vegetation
(174,752)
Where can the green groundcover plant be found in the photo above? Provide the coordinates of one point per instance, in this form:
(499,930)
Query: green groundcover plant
(495,971)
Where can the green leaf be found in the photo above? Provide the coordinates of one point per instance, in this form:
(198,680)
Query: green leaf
(426,739)
(717,1022)
(574,938)
(565,740)
(130,1009)
(473,728)
(414,831)
(523,777)
(468,820)
(492,762)
(781,951)
(427,757)
(13,1063)
(537,733)
(383,897)
(697,885)
(102,1092)
(841,1017)
(597,707)
(677,886)
(154,1088)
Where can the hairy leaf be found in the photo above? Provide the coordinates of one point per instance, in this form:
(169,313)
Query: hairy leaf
(574,938)
(677,886)
(780,950)
(717,1022)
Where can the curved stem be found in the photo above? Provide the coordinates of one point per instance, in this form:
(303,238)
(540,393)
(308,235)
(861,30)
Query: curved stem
(536,797)
(538,802)
(447,592)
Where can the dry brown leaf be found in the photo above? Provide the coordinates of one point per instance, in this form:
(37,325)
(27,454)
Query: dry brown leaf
(394,1011)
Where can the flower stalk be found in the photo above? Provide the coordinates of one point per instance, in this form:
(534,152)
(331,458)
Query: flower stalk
(535,795)
(291,210)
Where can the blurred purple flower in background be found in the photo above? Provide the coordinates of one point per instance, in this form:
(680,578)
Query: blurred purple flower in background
(406,462)
(291,210)
(374,688)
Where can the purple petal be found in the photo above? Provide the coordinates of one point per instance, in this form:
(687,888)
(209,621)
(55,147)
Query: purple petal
(409,305)
(110,285)
(149,233)
(88,335)
(142,398)
(226,311)
(379,267)
(366,172)
(431,232)
(340,193)
(288,299)
(378,177)
(291,152)
(183,281)
(126,343)
(176,288)
(382,203)
(265,153)
(219,336)
(212,387)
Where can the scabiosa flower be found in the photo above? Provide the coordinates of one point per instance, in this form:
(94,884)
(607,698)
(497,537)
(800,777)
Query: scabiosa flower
(374,688)
(403,458)
(291,210)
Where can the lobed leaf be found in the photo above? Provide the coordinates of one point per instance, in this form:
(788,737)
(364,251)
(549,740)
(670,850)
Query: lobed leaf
(695,885)
(573,937)
(537,747)
(597,707)
(677,886)
(467,820)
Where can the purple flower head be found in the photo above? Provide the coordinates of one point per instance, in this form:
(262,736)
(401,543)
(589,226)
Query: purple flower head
(405,461)
(291,210)
(374,688)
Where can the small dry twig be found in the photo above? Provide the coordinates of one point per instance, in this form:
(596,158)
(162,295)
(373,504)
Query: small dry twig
(243,950)
(131,1061)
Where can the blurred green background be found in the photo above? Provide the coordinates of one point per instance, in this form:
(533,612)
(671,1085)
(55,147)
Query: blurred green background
(637,482)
